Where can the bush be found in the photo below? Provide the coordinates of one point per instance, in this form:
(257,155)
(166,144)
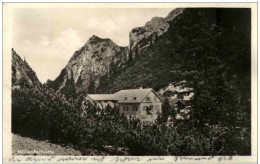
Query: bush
(43,114)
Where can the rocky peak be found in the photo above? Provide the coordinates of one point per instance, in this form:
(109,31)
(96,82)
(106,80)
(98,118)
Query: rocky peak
(22,73)
(155,23)
(174,13)
(95,39)
(90,62)
(142,37)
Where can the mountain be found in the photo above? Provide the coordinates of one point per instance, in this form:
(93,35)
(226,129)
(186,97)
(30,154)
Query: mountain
(141,38)
(92,67)
(168,51)
(22,73)
(163,52)
(151,65)
(98,57)
(35,107)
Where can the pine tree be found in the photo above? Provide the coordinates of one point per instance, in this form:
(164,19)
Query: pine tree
(166,110)
(91,87)
(69,90)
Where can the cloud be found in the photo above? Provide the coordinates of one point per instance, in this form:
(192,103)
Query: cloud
(48,37)
(68,39)
(48,57)
(44,42)
(113,29)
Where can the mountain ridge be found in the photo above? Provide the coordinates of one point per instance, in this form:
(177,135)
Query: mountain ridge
(101,58)
(90,62)
(157,55)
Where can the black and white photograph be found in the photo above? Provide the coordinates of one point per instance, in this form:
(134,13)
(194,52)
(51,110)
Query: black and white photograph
(132,82)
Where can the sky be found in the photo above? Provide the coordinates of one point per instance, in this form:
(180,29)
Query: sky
(48,37)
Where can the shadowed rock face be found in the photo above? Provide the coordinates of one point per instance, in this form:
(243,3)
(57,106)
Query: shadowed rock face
(142,37)
(22,72)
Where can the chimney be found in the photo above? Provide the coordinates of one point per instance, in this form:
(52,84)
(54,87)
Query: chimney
(141,87)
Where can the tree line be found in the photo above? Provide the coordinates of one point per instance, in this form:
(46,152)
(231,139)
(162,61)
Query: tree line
(44,114)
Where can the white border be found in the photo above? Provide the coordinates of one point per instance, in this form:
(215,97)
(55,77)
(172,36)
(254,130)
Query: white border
(7,26)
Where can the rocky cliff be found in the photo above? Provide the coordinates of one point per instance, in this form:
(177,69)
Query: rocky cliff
(98,57)
(141,38)
(22,73)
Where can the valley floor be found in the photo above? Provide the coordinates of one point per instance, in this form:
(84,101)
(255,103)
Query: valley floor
(27,146)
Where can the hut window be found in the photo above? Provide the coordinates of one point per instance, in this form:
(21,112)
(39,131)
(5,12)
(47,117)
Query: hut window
(144,108)
(125,108)
(134,108)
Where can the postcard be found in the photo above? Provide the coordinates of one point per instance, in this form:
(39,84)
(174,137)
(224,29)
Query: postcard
(130,82)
